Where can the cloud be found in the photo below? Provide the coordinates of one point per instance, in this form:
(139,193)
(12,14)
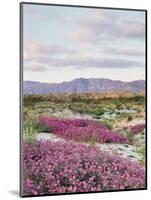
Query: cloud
(42,57)
(34,50)
(107,26)
(83,62)
(123,51)
(131,30)
(34,67)
(101,33)
(83,35)
(79,62)
(103,30)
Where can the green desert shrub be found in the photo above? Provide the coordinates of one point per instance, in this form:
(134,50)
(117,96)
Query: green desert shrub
(130,137)
(107,123)
(129,118)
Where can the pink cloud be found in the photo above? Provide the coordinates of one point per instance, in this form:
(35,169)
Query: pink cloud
(34,50)
(107,27)
(82,35)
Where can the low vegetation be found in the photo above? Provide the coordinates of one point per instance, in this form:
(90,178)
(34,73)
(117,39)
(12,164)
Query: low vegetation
(83,121)
(52,168)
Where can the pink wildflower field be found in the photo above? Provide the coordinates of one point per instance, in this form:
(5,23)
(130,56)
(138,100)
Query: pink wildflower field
(67,167)
(70,166)
(82,130)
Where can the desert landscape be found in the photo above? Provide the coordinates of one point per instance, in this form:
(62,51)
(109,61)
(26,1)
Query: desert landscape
(84,100)
(81,142)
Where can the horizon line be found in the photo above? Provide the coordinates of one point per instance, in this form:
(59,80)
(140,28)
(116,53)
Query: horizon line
(82,78)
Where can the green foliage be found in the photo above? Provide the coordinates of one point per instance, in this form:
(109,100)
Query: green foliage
(31,126)
(97,117)
(130,137)
(94,140)
(107,123)
(129,118)
(29,131)
(90,104)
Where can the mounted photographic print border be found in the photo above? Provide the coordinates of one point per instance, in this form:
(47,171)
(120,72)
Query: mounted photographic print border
(63,99)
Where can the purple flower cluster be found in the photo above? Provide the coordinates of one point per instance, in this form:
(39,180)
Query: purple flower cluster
(81,130)
(53,168)
(137,128)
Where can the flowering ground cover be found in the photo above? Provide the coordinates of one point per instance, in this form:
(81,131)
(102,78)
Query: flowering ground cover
(71,167)
(68,166)
(137,128)
(81,130)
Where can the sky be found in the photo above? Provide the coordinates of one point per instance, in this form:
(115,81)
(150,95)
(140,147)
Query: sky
(64,43)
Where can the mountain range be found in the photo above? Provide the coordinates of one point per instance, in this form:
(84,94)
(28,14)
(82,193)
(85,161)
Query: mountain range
(83,85)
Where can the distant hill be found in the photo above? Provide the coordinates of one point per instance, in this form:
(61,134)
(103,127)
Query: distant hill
(83,85)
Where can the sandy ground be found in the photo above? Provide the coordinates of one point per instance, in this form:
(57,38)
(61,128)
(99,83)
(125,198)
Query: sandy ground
(49,136)
(124,150)
(66,113)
